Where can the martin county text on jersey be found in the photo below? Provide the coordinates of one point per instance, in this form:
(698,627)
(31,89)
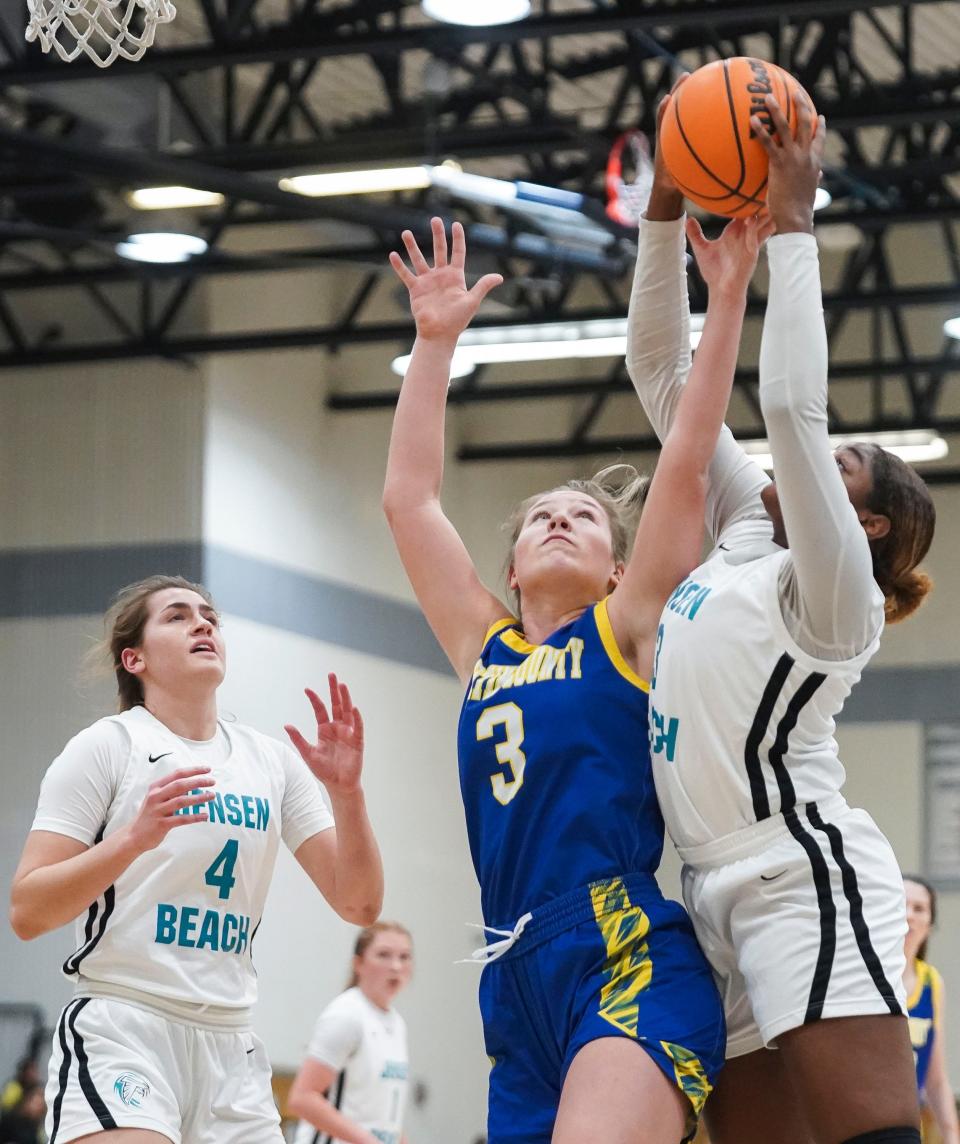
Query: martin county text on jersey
(188,926)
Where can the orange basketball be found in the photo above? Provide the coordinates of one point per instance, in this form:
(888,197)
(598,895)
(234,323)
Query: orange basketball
(706,139)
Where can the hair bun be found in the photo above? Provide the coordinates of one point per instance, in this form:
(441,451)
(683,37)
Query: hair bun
(906,594)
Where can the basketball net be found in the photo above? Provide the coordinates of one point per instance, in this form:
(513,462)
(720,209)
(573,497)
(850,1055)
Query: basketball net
(102,29)
(626,201)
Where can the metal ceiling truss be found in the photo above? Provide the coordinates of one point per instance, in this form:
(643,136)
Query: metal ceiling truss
(243,101)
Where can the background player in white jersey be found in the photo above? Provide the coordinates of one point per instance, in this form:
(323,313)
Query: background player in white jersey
(156,1044)
(352,1088)
(795,897)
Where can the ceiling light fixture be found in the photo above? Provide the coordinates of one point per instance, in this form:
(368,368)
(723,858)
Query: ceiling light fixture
(951,327)
(161,246)
(172,198)
(548,341)
(481,15)
(358,182)
(912,445)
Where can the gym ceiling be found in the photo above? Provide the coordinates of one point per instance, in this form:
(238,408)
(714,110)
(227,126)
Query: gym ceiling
(237,93)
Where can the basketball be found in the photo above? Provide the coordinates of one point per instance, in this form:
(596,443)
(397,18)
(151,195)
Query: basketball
(706,139)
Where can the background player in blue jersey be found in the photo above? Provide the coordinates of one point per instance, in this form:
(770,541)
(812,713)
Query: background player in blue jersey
(593,966)
(925,1009)
(157,830)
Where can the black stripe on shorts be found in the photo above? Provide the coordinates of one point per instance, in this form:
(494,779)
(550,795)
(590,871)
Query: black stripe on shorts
(751,750)
(87,1086)
(851,890)
(64,1072)
(828,918)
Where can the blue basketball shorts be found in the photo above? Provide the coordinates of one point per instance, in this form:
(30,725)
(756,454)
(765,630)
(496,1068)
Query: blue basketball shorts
(610,959)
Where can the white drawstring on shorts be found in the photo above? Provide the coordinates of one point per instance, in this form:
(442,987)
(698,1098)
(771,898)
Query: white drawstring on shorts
(488,953)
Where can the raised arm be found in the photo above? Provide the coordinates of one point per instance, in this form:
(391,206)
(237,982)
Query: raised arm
(457,605)
(669,538)
(658,348)
(837,608)
(343,863)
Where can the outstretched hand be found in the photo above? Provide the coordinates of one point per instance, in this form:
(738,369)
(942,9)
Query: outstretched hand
(727,263)
(441,304)
(336,758)
(795,164)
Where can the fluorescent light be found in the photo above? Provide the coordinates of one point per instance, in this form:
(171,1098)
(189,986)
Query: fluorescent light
(172,198)
(548,341)
(161,246)
(951,327)
(913,445)
(822,199)
(359,182)
(485,13)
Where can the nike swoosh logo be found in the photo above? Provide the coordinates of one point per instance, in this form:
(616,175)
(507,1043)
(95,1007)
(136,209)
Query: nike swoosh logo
(772,877)
(723,547)
(157,758)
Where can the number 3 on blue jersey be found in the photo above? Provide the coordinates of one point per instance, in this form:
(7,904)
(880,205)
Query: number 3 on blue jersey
(509,753)
(220,873)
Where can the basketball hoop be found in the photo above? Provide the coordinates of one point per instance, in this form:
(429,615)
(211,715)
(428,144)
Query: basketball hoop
(626,201)
(103,29)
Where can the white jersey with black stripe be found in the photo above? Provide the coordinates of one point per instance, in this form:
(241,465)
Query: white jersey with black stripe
(366,1046)
(741,717)
(178,925)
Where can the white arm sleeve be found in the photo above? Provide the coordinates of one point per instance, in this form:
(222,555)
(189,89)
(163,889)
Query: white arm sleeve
(336,1035)
(303,812)
(81,782)
(836,601)
(658,362)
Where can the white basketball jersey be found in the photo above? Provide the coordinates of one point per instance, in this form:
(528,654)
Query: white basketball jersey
(179,923)
(741,718)
(367,1047)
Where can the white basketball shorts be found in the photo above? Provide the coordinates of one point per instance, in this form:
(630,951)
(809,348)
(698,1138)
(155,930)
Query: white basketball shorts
(802,917)
(115,1065)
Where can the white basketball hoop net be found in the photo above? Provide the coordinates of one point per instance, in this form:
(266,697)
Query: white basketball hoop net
(102,29)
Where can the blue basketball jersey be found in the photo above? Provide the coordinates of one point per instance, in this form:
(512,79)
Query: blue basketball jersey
(922,1012)
(555,766)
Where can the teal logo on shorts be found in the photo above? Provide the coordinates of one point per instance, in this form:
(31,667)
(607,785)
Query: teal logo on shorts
(132,1089)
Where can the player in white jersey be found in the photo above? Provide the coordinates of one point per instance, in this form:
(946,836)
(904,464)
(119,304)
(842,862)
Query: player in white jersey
(352,1088)
(156,1045)
(795,897)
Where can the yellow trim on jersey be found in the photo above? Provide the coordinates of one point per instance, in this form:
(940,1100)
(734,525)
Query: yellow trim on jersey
(609,641)
(514,639)
(628,967)
(922,970)
(936,988)
(497,627)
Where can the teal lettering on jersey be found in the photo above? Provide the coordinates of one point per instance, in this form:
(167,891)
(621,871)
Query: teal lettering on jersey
(231,809)
(185,927)
(663,734)
(394,1070)
(687,599)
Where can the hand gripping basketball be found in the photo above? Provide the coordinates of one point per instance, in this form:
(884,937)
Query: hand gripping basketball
(795,164)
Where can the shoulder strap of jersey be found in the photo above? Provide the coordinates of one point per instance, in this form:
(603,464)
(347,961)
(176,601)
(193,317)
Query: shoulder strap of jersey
(496,628)
(611,647)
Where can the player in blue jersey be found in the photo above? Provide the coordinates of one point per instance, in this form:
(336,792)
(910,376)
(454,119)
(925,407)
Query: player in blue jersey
(925,1009)
(600,1014)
